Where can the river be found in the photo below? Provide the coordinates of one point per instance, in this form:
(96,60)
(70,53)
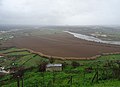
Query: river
(91,38)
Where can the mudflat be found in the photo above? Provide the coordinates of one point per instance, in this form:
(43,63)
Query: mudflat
(62,45)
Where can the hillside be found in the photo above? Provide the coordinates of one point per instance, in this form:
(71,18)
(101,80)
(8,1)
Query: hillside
(75,73)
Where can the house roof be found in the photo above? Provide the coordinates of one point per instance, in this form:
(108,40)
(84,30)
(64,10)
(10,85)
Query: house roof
(50,65)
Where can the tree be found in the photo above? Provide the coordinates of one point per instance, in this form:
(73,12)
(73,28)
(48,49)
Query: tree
(51,60)
(64,64)
(42,66)
(75,64)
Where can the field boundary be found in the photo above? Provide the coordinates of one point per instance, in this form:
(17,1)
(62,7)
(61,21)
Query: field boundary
(71,58)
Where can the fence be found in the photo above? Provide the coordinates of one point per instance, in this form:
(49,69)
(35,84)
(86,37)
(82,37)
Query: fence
(67,78)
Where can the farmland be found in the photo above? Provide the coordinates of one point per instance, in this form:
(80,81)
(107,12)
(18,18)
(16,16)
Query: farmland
(32,48)
(19,56)
(56,43)
(79,75)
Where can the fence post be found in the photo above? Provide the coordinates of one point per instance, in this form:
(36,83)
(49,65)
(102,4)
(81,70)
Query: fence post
(18,81)
(97,73)
(22,82)
(71,81)
(43,79)
(83,78)
(53,78)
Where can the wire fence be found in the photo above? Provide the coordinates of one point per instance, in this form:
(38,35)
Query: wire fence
(78,78)
(71,79)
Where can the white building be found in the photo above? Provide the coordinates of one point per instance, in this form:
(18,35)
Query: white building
(54,67)
(2,70)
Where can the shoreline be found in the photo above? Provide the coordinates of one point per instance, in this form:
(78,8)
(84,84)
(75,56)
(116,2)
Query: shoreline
(91,38)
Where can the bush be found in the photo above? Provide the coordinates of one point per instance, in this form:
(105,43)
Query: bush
(42,66)
(75,64)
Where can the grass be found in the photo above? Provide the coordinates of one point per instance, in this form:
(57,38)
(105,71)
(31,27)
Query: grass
(10,50)
(34,78)
(19,53)
(20,56)
(110,57)
(61,79)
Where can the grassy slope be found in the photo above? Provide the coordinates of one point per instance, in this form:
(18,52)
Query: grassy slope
(36,79)
(33,77)
(20,56)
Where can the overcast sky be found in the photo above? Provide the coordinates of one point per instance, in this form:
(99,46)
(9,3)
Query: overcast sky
(60,12)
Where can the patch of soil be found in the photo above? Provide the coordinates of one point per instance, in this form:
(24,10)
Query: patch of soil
(62,45)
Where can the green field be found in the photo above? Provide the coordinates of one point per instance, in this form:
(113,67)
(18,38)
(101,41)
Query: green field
(75,73)
(19,56)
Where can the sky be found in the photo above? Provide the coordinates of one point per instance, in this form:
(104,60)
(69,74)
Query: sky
(60,12)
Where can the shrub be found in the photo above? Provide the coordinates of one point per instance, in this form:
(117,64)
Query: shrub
(75,64)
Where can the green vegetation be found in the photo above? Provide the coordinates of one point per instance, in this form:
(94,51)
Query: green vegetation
(44,32)
(74,74)
(6,36)
(19,56)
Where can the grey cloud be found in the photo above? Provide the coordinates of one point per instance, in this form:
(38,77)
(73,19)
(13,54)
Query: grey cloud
(50,12)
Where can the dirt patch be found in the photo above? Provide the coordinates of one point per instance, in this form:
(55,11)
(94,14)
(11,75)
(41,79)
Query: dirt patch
(62,45)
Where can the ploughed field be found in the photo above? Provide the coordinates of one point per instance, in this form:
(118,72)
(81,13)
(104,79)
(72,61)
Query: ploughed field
(61,45)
